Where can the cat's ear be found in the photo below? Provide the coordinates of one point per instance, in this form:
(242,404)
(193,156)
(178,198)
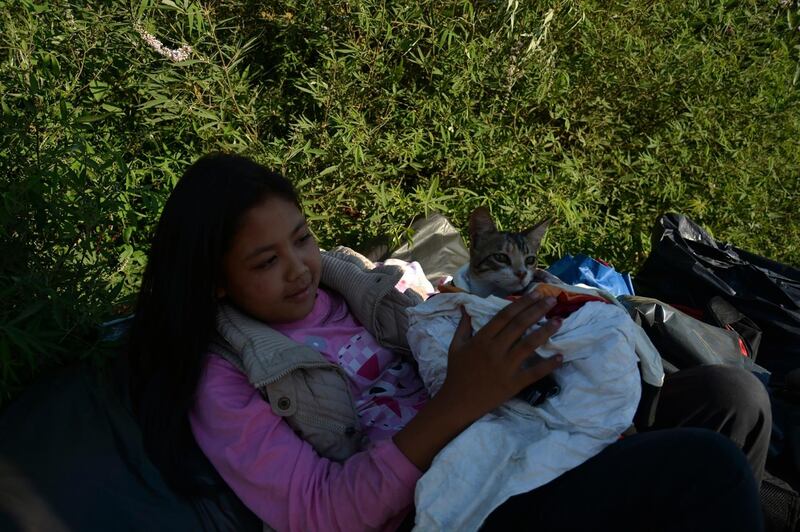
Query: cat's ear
(535,234)
(480,221)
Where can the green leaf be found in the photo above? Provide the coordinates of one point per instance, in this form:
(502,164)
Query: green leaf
(90,117)
(161,100)
(329,170)
(111,108)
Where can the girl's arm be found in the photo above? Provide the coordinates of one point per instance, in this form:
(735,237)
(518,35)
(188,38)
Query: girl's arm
(280,477)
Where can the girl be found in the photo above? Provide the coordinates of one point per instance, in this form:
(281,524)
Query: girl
(289,368)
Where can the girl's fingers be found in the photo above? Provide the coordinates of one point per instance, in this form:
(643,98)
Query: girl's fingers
(539,368)
(523,320)
(507,313)
(528,344)
(463,332)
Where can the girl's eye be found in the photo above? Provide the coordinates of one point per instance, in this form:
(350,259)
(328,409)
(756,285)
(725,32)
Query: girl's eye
(305,238)
(502,258)
(530,261)
(267,263)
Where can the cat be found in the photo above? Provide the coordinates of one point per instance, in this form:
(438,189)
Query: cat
(501,263)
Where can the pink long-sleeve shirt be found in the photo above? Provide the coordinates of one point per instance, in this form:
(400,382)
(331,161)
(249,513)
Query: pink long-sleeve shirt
(278,475)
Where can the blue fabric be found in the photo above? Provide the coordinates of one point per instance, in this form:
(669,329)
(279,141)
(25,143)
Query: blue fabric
(586,270)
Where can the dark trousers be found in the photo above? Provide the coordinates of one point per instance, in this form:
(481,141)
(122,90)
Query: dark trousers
(698,476)
(727,400)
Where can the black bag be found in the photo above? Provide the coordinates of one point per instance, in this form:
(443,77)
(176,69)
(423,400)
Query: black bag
(688,267)
(685,342)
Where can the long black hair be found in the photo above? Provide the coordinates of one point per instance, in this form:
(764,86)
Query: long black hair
(177,305)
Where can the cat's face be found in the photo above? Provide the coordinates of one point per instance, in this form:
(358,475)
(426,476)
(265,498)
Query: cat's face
(503,259)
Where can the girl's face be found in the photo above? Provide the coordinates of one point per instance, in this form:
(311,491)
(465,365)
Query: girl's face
(272,268)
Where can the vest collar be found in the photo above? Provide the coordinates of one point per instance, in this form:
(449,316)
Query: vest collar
(267,355)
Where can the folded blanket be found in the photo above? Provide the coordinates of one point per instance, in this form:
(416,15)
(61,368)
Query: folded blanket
(518,447)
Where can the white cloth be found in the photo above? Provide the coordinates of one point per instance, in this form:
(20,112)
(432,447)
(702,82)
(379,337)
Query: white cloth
(413,277)
(517,447)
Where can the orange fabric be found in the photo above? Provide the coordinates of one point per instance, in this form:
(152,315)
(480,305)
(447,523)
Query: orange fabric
(449,288)
(566,302)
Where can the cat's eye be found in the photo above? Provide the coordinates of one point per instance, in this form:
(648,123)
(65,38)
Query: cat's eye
(501,258)
(530,261)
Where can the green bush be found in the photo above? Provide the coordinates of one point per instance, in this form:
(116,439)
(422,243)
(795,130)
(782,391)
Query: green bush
(603,114)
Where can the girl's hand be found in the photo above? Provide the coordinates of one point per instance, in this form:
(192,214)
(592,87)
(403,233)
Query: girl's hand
(483,371)
(486,370)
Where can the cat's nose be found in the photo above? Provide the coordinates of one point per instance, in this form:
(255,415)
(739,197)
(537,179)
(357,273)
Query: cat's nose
(521,275)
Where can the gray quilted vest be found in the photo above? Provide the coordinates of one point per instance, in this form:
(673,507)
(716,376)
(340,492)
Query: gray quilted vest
(301,386)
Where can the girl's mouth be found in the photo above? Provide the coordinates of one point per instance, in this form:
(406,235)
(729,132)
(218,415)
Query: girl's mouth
(301,294)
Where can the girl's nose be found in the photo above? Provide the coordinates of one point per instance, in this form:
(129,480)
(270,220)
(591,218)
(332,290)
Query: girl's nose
(296,267)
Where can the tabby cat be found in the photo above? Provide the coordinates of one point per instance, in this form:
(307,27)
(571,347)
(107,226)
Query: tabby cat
(502,263)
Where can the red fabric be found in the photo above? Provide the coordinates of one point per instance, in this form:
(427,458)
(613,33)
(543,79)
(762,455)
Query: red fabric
(696,313)
(742,346)
(566,302)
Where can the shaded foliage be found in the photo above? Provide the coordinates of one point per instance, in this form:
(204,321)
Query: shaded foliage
(603,114)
